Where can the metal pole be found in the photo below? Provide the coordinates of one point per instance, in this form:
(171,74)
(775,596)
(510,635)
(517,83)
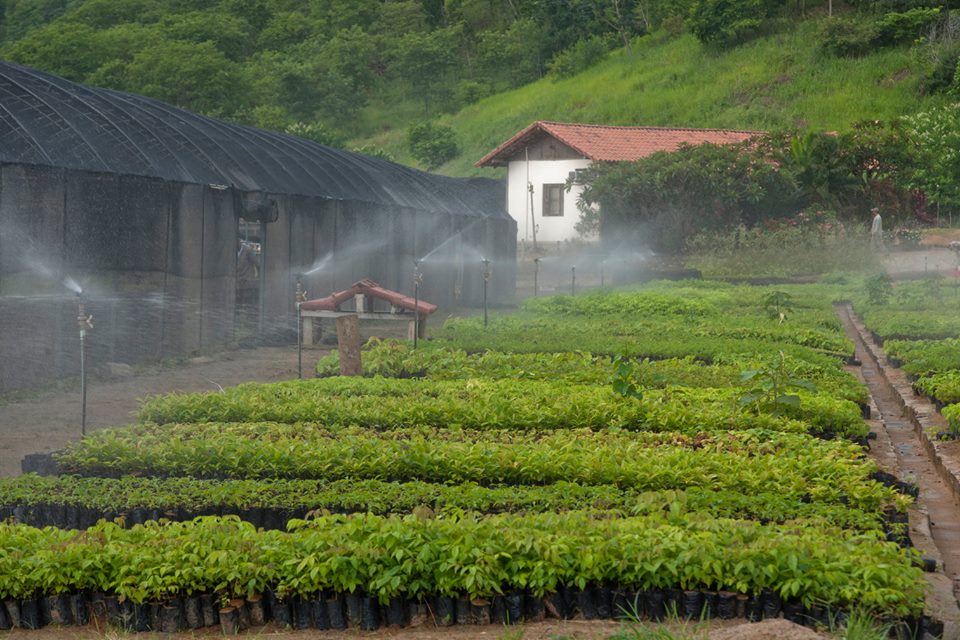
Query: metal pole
(536,277)
(533,217)
(573,280)
(83,388)
(84,322)
(486,279)
(416,302)
(301,297)
(601,273)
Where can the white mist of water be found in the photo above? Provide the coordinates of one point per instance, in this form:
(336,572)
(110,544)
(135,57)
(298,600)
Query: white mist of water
(71,284)
(319,264)
(457,236)
(352,252)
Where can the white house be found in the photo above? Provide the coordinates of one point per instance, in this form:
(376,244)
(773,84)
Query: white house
(542,157)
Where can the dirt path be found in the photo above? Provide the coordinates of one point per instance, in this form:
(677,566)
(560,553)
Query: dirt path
(935,521)
(778,629)
(48,420)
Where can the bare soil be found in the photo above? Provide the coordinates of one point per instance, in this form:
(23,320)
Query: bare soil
(48,420)
(778,629)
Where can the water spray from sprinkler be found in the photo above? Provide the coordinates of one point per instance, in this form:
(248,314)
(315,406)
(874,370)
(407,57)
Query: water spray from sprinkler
(71,284)
(417,280)
(84,323)
(536,277)
(486,280)
(573,280)
(301,297)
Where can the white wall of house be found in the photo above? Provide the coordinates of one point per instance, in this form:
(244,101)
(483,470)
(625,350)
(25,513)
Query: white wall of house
(542,172)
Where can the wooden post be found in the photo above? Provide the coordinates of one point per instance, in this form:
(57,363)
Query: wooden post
(348,344)
(309,331)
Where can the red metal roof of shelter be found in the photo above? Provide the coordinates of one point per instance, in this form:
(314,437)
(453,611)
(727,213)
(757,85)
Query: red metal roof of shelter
(369,288)
(602,142)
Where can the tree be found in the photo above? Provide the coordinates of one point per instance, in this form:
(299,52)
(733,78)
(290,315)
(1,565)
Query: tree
(305,87)
(70,50)
(671,196)
(285,29)
(23,16)
(432,144)
(936,136)
(722,23)
(232,35)
(102,14)
(511,58)
(351,53)
(424,61)
(619,16)
(192,75)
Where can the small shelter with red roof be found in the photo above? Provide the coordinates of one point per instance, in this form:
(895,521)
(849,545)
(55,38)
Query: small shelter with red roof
(542,157)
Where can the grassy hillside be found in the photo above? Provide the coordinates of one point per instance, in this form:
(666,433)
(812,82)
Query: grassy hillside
(780,81)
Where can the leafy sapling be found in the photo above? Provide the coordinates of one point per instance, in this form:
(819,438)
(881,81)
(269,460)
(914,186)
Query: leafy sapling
(771,388)
(777,304)
(624,379)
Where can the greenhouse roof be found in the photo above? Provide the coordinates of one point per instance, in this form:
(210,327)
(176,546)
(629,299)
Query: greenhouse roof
(46,120)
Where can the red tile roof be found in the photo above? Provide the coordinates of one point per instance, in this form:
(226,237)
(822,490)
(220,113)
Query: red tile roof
(601,142)
(370,288)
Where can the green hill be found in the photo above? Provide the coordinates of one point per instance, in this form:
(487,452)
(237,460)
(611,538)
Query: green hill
(776,82)
(361,73)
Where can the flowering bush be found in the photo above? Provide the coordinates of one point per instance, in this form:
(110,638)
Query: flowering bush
(908,236)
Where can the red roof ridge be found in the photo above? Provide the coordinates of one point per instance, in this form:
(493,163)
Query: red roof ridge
(645,127)
(617,149)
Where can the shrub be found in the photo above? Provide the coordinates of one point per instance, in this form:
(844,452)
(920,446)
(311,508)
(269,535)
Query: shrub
(856,37)
(432,144)
(899,28)
(316,132)
(879,288)
(581,56)
(724,23)
(942,71)
(848,37)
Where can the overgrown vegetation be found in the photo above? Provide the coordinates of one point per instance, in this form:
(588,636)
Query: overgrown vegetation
(367,71)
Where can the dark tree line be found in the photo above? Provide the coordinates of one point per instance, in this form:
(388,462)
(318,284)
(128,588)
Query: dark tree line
(275,63)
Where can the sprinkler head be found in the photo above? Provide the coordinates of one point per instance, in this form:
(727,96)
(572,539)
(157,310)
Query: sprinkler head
(301,294)
(84,321)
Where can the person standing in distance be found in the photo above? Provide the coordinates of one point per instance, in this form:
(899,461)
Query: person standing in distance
(876,231)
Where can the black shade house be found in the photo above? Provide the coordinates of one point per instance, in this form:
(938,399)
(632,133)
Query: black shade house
(144,204)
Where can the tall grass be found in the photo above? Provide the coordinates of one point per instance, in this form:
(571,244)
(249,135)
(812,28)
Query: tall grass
(778,81)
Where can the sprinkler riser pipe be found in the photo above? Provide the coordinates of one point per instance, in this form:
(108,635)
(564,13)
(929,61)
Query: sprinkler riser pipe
(416,302)
(300,296)
(84,323)
(573,281)
(536,277)
(486,279)
(83,387)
